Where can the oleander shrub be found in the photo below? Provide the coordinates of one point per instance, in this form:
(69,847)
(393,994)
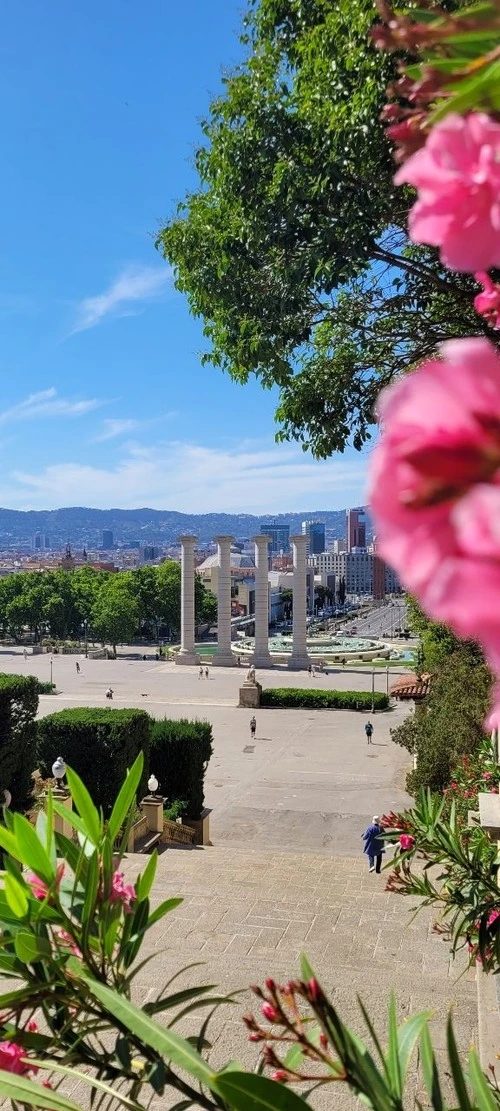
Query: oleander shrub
(298,697)
(100,744)
(180,751)
(18,708)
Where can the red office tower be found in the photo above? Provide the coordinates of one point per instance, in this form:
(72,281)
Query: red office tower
(356,529)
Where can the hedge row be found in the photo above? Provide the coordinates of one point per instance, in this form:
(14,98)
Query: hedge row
(18,708)
(180,751)
(323,700)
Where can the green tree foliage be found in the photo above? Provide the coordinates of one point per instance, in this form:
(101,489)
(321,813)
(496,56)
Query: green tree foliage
(437,641)
(18,708)
(180,751)
(116,610)
(293,250)
(450,722)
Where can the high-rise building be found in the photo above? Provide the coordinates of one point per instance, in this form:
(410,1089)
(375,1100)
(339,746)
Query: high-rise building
(356,529)
(107,539)
(40,541)
(315,532)
(356,568)
(280,536)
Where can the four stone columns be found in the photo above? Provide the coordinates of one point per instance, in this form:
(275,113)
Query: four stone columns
(224,656)
(262,656)
(299,658)
(187,654)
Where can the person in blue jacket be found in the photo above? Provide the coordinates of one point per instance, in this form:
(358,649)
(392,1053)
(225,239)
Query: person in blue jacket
(374,845)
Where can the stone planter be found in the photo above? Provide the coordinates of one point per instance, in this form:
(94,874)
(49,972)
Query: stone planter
(201,827)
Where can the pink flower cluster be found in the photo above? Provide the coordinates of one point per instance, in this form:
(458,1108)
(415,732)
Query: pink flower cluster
(406,842)
(457,175)
(13,1056)
(435,488)
(122,892)
(40,889)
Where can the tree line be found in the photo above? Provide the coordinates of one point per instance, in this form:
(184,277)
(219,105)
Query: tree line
(109,607)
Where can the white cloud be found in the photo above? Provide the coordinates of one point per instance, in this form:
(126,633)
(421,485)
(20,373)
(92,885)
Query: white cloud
(114,427)
(135,283)
(47,403)
(193,478)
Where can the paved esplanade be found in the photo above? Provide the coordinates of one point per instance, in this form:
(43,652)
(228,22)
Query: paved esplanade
(224,656)
(262,655)
(187,653)
(299,658)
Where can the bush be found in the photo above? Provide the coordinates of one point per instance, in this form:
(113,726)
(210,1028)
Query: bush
(180,751)
(99,744)
(45,688)
(287,697)
(18,707)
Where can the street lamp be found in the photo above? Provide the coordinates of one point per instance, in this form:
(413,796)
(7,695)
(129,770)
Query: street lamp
(85,627)
(51,662)
(152,785)
(373,690)
(59,771)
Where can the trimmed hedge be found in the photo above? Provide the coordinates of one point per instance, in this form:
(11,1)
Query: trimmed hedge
(99,744)
(180,751)
(18,708)
(45,688)
(306,698)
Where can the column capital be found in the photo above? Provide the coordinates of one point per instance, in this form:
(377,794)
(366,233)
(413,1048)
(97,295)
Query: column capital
(187,539)
(299,538)
(261,539)
(221,539)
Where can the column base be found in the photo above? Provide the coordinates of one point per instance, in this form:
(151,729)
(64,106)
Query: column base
(225,659)
(262,659)
(192,659)
(299,663)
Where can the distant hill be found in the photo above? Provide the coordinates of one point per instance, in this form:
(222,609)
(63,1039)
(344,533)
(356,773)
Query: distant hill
(81,525)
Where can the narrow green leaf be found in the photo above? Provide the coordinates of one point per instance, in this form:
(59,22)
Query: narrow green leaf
(91,888)
(29,1094)
(408,1035)
(393,1063)
(146,880)
(163,1041)
(162,910)
(482,1091)
(86,809)
(9,842)
(71,818)
(16,896)
(456,1069)
(33,854)
(429,1069)
(31,947)
(125,797)
(93,1082)
(248,1092)
(175,1000)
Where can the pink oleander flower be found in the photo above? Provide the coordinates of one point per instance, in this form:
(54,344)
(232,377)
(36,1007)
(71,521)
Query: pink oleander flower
(11,1059)
(486,775)
(435,489)
(493,917)
(406,841)
(40,889)
(457,175)
(67,941)
(269,1012)
(487,303)
(122,892)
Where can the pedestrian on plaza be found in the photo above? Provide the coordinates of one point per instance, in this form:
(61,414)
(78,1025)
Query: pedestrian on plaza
(200,673)
(253,727)
(369,732)
(374,845)
(310,670)
(206,673)
(25,654)
(77,668)
(343,661)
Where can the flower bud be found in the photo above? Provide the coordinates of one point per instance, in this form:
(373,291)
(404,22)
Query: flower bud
(314,990)
(270,984)
(269,1012)
(280,1075)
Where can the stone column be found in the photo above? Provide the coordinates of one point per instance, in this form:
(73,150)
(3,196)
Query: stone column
(299,658)
(262,656)
(187,654)
(223,656)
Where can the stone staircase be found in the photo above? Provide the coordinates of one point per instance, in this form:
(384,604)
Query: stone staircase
(248,914)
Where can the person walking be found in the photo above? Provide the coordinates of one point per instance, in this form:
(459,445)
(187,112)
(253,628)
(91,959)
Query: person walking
(77,665)
(369,732)
(374,845)
(253,727)
(200,673)
(206,673)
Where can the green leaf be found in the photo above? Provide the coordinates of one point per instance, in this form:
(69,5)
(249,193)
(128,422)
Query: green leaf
(125,798)
(92,1081)
(16,896)
(248,1092)
(163,1041)
(482,1091)
(31,947)
(71,818)
(32,852)
(91,889)
(176,999)
(29,1094)
(86,809)
(429,1069)
(162,910)
(408,1034)
(393,1062)
(9,842)
(456,1069)
(146,880)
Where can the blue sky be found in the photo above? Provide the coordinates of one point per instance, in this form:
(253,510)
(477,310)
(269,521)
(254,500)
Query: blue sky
(105,402)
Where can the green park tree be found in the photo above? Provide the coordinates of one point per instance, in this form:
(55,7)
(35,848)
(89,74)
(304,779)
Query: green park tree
(116,610)
(293,249)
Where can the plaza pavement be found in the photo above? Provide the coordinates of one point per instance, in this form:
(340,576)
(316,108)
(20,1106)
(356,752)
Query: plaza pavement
(285,872)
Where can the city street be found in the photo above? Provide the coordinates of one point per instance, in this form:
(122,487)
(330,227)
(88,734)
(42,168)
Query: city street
(381,623)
